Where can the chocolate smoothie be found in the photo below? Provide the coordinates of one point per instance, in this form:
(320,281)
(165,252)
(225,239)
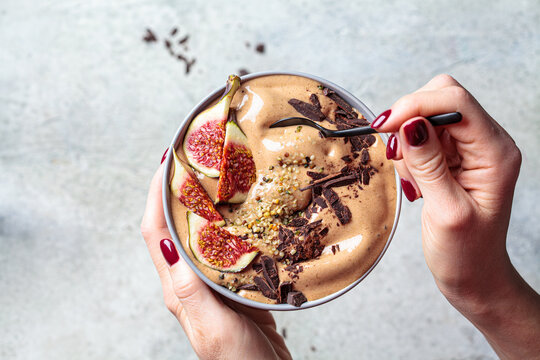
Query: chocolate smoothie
(321,209)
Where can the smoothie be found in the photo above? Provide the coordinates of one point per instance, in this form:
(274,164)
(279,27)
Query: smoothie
(321,209)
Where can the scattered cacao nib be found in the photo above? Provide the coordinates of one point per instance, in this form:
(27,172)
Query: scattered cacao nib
(297,222)
(243,72)
(364,157)
(257,267)
(315,100)
(251,287)
(270,271)
(347,158)
(310,111)
(296,298)
(320,201)
(149,36)
(189,64)
(183,40)
(264,288)
(316,175)
(333,249)
(284,289)
(173,31)
(284,333)
(260,48)
(342,211)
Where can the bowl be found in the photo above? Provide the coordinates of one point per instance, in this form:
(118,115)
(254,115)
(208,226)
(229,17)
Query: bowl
(176,143)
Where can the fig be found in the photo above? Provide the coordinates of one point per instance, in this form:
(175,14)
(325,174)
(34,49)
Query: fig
(217,248)
(203,142)
(237,171)
(191,193)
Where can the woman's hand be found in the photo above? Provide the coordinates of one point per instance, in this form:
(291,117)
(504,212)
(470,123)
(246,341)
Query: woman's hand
(216,328)
(466,174)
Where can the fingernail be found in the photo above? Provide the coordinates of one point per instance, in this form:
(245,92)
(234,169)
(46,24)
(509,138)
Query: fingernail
(381,119)
(408,190)
(391,147)
(164,155)
(169,251)
(416,132)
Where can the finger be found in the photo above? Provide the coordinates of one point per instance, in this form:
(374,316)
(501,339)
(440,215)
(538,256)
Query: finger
(408,184)
(154,228)
(393,149)
(424,158)
(438,82)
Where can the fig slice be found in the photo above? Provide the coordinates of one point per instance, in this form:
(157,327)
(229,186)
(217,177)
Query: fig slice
(217,248)
(237,171)
(203,142)
(186,188)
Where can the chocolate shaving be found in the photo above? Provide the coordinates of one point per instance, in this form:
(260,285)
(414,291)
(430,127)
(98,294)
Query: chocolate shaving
(342,181)
(284,289)
(315,175)
(270,271)
(321,182)
(297,222)
(315,100)
(342,211)
(251,287)
(341,103)
(320,201)
(310,111)
(365,176)
(296,298)
(264,288)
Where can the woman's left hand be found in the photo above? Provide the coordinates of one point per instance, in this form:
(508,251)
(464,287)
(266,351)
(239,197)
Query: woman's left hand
(217,328)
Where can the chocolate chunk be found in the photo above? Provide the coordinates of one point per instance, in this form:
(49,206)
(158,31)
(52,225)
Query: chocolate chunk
(264,288)
(270,271)
(296,298)
(356,143)
(343,213)
(284,289)
(257,267)
(310,111)
(347,158)
(316,175)
(320,201)
(260,48)
(285,235)
(340,102)
(365,176)
(251,287)
(149,36)
(364,157)
(297,222)
(330,195)
(369,139)
(315,100)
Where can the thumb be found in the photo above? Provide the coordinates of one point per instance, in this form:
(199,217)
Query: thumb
(426,162)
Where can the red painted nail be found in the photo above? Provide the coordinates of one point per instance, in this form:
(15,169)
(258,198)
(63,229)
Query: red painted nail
(408,190)
(416,132)
(381,119)
(169,251)
(391,147)
(164,155)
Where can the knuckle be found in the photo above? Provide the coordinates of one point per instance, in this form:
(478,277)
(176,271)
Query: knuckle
(445,80)
(410,102)
(432,169)
(457,219)
(459,94)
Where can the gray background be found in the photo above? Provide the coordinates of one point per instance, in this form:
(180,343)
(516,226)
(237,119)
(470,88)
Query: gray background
(87,109)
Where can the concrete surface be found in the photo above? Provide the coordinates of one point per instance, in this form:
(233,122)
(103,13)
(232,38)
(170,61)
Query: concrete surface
(87,109)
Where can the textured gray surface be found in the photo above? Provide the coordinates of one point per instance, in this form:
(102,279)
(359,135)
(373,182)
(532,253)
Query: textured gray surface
(87,108)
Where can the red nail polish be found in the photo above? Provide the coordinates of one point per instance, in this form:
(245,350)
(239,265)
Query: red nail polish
(408,190)
(164,155)
(391,147)
(169,251)
(381,119)
(416,132)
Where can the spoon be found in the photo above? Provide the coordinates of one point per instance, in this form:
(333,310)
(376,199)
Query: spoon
(435,120)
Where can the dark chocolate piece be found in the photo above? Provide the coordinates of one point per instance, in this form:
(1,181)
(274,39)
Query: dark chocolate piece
(365,176)
(340,102)
(364,159)
(297,222)
(251,287)
(347,158)
(330,195)
(270,271)
(310,111)
(316,175)
(342,212)
(342,181)
(264,288)
(320,201)
(315,100)
(284,289)
(296,298)
(369,139)
(257,267)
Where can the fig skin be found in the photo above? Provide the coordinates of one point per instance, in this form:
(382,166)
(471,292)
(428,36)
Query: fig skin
(203,142)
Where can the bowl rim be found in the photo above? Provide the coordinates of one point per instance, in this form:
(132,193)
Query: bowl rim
(179,135)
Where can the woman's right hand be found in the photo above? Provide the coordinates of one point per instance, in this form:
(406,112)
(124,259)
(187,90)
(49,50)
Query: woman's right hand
(466,174)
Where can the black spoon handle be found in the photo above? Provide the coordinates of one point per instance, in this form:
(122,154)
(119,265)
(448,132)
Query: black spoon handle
(435,120)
